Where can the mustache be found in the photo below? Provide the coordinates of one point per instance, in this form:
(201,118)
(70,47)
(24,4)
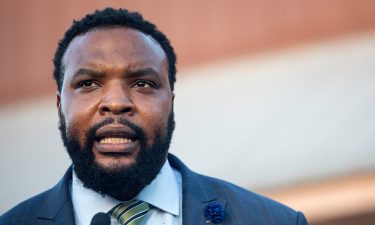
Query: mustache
(108,121)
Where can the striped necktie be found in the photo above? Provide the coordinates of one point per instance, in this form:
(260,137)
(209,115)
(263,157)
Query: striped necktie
(131,212)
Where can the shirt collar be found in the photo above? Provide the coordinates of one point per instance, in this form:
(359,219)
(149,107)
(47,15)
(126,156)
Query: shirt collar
(162,192)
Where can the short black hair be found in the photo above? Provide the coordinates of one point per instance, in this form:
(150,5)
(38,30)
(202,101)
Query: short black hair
(113,17)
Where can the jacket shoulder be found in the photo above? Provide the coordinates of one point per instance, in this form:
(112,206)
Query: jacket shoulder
(48,205)
(247,204)
(24,211)
(241,206)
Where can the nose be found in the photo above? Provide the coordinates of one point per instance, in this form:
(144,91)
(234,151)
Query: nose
(116,101)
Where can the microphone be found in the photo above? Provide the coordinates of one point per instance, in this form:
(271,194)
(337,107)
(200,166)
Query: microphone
(101,218)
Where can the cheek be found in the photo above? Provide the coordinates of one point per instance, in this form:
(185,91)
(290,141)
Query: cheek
(78,117)
(155,117)
(76,127)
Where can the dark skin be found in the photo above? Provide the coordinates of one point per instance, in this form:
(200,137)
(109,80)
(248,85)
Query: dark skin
(119,73)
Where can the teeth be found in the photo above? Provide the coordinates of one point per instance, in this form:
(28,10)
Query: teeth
(115,141)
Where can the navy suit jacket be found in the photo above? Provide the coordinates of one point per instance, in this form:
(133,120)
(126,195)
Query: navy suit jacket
(54,207)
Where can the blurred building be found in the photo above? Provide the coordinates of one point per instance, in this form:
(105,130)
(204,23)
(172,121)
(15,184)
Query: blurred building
(276,96)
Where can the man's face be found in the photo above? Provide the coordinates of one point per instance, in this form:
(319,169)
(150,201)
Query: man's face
(116,108)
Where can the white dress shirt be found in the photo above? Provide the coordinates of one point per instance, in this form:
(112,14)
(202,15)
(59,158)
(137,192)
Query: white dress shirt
(164,193)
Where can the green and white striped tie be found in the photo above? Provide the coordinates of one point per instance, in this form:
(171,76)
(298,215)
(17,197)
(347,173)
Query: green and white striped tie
(131,212)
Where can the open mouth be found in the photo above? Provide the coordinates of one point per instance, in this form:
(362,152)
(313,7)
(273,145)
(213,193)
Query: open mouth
(114,140)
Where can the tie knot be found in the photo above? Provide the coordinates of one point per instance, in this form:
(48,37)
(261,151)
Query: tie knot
(131,212)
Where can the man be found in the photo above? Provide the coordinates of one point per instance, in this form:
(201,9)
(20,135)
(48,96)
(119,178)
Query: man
(115,75)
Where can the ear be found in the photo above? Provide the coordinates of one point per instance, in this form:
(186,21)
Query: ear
(173,95)
(58,106)
(58,101)
(174,122)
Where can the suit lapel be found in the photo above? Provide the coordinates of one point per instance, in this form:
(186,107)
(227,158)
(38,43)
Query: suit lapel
(57,208)
(196,194)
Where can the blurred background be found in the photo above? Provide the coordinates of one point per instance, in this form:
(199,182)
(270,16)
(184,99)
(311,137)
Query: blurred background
(274,95)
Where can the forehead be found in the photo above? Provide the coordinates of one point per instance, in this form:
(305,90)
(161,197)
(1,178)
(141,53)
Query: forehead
(114,47)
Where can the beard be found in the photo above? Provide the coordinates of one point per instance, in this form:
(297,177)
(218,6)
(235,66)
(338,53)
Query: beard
(122,182)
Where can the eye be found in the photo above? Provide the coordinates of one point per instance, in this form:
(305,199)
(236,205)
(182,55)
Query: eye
(144,84)
(87,83)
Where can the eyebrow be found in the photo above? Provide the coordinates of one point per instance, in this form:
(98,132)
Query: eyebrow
(131,73)
(83,72)
(141,72)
